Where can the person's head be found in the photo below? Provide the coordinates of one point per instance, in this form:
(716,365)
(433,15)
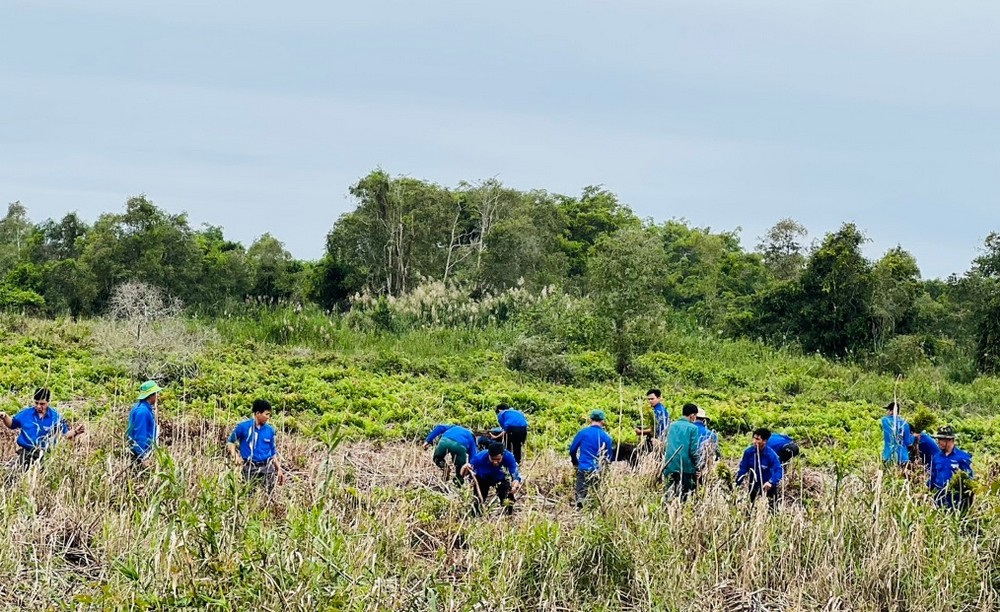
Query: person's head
(261,411)
(702,416)
(760,437)
(653,395)
(483,442)
(41,398)
(892,408)
(946,438)
(149,391)
(597,417)
(690,411)
(496,453)
(501,407)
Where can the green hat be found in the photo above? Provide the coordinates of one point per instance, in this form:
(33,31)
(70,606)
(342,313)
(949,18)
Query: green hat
(946,433)
(148,388)
(597,415)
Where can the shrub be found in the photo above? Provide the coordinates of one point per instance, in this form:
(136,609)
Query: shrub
(540,357)
(901,354)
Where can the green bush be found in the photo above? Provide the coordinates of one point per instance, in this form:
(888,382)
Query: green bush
(540,357)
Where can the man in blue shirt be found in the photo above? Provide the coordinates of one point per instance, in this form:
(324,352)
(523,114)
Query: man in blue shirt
(661,418)
(142,430)
(252,447)
(948,461)
(40,425)
(783,446)
(591,447)
(490,468)
(456,441)
(708,444)
(515,428)
(924,449)
(761,469)
(896,436)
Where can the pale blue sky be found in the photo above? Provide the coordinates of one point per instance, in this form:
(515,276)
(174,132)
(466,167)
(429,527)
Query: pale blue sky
(257,116)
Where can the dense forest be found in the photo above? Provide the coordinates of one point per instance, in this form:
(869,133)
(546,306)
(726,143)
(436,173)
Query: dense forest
(627,278)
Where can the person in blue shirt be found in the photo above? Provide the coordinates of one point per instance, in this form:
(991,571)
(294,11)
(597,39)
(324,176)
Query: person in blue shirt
(515,428)
(708,443)
(252,447)
(783,446)
(490,468)
(760,469)
(591,447)
(142,431)
(456,441)
(944,465)
(661,418)
(924,448)
(40,427)
(896,436)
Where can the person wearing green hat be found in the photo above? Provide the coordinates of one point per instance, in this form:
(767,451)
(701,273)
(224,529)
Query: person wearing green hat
(142,430)
(949,492)
(591,447)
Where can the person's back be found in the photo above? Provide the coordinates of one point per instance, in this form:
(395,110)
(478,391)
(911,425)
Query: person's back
(896,439)
(508,417)
(142,432)
(590,447)
(683,440)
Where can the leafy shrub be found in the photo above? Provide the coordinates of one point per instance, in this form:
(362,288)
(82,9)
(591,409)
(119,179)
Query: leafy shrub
(592,366)
(901,355)
(540,357)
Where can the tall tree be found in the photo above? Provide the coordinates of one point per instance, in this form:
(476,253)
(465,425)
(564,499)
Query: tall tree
(783,249)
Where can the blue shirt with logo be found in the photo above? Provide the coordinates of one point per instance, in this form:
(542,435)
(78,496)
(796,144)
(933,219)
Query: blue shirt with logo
(38,431)
(486,471)
(764,465)
(511,418)
(590,446)
(661,421)
(256,443)
(142,431)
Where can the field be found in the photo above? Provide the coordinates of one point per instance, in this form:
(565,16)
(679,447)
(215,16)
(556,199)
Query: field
(367,523)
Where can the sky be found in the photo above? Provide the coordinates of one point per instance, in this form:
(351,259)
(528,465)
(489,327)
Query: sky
(258,116)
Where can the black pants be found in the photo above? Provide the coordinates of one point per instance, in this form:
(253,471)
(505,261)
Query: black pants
(585,481)
(260,473)
(787,452)
(29,456)
(516,436)
(771,494)
(481,491)
(683,484)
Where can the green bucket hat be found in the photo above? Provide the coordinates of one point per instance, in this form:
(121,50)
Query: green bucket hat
(598,415)
(148,388)
(946,433)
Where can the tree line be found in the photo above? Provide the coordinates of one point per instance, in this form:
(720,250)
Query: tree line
(823,295)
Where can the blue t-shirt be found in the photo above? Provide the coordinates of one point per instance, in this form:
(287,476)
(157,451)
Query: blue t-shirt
(778,441)
(511,418)
(486,471)
(896,439)
(661,421)
(454,432)
(705,437)
(943,467)
(38,431)
(927,447)
(142,431)
(256,443)
(590,446)
(764,465)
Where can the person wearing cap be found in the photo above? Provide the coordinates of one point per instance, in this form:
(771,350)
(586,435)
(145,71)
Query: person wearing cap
(591,447)
(40,427)
(661,418)
(760,468)
(948,461)
(680,470)
(142,430)
(783,446)
(515,428)
(708,442)
(491,468)
(456,441)
(252,447)
(896,436)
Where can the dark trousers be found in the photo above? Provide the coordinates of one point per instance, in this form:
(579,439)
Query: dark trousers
(481,490)
(585,481)
(27,457)
(771,494)
(516,437)
(459,456)
(787,452)
(682,484)
(260,473)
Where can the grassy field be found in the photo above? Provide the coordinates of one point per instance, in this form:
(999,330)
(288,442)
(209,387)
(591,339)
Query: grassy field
(367,523)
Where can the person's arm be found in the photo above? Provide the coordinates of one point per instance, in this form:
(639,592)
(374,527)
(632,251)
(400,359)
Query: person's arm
(8,421)
(511,464)
(966,466)
(437,431)
(70,433)
(744,469)
(694,448)
(907,435)
(231,446)
(574,448)
(609,446)
(777,472)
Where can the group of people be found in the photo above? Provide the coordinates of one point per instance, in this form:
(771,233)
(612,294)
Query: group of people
(491,461)
(251,444)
